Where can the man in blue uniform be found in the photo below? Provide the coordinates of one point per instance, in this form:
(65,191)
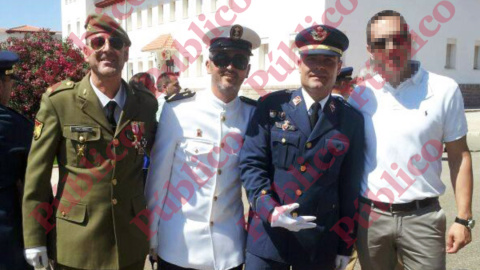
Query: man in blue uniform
(15,137)
(301,165)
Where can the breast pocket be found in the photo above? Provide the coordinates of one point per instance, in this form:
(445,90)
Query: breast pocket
(198,151)
(337,148)
(82,145)
(284,148)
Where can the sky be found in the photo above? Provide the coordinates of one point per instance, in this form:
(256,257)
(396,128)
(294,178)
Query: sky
(40,13)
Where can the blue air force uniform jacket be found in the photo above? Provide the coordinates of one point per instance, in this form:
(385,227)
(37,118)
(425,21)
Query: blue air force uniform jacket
(284,161)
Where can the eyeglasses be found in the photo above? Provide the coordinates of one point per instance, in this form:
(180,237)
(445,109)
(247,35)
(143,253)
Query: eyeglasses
(381,43)
(97,43)
(222,60)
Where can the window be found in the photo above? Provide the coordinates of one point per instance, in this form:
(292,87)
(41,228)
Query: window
(187,67)
(149,16)
(140,66)
(129,23)
(199,7)
(200,66)
(451,54)
(476,55)
(213,5)
(172,10)
(130,71)
(185,9)
(78,28)
(160,13)
(263,56)
(139,19)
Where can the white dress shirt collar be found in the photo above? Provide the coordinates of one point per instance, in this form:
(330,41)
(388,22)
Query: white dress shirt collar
(309,100)
(119,97)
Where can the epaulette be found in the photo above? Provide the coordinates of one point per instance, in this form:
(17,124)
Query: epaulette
(180,96)
(248,101)
(58,87)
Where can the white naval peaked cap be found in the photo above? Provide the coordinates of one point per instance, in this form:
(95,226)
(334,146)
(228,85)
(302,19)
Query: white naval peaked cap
(232,37)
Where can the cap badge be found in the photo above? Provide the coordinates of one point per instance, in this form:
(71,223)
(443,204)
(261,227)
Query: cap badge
(236,32)
(319,34)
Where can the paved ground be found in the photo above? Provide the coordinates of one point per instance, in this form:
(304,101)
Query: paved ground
(469,257)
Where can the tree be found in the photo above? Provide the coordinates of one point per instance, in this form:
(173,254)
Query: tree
(44,61)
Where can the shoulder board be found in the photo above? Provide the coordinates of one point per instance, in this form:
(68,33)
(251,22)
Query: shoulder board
(180,96)
(58,87)
(248,101)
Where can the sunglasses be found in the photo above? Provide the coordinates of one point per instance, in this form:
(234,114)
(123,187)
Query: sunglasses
(222,60)
(381,43)
(97,43)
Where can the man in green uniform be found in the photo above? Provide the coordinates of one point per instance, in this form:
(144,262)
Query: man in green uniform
(98,129)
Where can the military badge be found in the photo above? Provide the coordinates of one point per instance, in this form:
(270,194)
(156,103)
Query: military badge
(297,100)
(138,128)
(199,133)
(81,149)
(37,131)
(332,107)
(273,113)
(285,125)
(319,34)
(236,32)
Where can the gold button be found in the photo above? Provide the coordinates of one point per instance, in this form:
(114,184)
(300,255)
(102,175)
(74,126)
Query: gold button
(69,83)
(294,214)
(114,182)
(211,223)
(223,118)
(222,145)
(63,213)
(284,140)
(116,142)
(303,168)
(308,145)
(219,171)
(81,139)
(298,192)
(215,198)
(196,151)
(264,192)
(114,201)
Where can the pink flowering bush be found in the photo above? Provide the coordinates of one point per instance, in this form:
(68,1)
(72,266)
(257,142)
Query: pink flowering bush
(44,61)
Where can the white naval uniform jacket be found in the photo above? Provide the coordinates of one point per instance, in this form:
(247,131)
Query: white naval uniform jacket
(193,186)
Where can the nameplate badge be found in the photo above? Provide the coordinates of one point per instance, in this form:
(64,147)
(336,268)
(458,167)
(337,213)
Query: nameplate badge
(81,129)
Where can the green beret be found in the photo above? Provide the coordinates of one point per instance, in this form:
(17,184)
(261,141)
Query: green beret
(105,24)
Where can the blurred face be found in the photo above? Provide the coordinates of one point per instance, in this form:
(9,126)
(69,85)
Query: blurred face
(228,69)
(172,87)
(5,89)
(318,73)
(106,55)
(390,47)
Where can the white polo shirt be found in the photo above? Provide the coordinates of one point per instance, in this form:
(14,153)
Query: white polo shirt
(405,129)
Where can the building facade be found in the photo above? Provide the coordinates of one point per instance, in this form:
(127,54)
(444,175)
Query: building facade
(166,35)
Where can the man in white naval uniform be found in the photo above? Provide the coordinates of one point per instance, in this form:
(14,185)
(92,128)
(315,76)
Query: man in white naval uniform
(193,187)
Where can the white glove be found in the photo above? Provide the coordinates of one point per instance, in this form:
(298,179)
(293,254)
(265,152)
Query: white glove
(37,256)
(341,262)
(281,218)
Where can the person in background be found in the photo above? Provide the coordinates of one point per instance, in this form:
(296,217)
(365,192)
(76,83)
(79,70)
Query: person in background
(15,139)
(168,86)
(343,84)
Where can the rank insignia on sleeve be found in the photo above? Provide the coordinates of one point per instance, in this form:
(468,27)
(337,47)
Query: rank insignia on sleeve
(37,131)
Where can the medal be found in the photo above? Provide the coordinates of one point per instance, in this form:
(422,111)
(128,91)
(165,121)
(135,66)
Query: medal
(297,100)
(273,114)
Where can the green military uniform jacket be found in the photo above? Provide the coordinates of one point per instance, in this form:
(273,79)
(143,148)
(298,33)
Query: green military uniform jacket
(88,223)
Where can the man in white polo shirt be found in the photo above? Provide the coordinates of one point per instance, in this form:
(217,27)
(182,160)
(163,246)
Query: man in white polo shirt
(409,114)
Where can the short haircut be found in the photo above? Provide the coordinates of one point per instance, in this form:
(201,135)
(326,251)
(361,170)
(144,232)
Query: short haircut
(164,78)
(144,78)
(379,15)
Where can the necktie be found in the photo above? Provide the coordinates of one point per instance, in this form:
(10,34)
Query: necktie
(314,114)
(111,105)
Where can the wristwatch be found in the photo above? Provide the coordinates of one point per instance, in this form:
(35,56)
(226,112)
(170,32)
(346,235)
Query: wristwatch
(469,223)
